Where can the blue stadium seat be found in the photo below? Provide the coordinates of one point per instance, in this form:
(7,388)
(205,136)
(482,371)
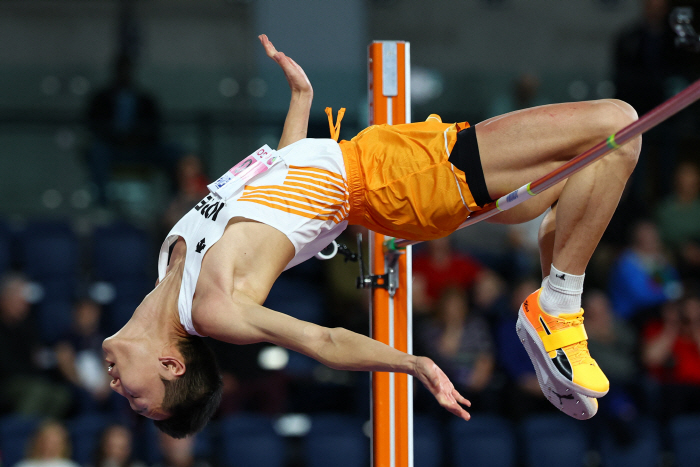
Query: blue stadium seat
(122,251)
(250,441)
(485,440)
(58,288)
(300,366)
(336,440)
(54,317)
(427,442)
(685,440)
(553,440)
(296,298)
(85,432)
(117,313)
(643,452)
(49,251)
(15,432)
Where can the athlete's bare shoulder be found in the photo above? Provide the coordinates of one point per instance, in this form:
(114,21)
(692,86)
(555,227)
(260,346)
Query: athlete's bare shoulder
(247,259)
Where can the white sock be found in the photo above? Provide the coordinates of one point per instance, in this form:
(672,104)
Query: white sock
(561,292)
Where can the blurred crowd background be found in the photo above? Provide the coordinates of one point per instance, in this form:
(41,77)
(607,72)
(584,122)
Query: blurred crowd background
(114,115)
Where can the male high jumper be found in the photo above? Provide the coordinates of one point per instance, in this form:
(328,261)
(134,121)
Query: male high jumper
(415,181)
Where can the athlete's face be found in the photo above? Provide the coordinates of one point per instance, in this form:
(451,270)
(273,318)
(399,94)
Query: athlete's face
(136,374)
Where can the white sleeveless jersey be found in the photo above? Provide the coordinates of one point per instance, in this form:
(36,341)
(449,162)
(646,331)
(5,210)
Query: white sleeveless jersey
(305,197)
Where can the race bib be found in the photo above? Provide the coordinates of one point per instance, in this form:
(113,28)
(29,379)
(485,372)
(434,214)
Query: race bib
(237,176)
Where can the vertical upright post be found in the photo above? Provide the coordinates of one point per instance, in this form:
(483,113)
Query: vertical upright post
(392,393)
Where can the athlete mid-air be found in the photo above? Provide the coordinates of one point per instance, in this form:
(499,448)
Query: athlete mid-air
(415,181)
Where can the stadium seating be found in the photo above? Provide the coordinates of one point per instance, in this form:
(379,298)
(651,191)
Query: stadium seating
(85,432)
(50,256)
(122,258)
(685,440)
(121,251)
(296,298)
(553,440)
(49,250)
(644,451)
(427,442)
(15,432)
(250,441)
(485,440)
(336,440)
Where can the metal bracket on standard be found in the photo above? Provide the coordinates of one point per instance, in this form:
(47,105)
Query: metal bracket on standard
(389,280)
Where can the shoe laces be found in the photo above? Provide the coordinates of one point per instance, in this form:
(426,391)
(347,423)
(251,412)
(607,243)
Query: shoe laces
(577,353)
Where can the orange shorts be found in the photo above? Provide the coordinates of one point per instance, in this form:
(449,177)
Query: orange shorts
(401,182)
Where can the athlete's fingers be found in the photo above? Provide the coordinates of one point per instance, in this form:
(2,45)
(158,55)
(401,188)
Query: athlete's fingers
(267,44)
(456,409)
(461,399)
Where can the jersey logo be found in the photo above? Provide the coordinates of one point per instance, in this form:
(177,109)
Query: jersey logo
(200,246)
(209,208)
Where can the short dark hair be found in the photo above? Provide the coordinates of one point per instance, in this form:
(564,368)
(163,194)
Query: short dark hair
(192,398)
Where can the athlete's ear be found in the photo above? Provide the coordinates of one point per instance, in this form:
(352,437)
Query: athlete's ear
(173,365)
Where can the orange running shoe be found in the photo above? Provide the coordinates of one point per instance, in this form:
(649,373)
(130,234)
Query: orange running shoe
(557,347)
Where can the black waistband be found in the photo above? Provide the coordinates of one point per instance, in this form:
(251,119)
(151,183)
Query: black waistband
(465,156)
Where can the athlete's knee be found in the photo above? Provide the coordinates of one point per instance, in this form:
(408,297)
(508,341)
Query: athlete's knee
(617,115)
(612,115)
(622,111)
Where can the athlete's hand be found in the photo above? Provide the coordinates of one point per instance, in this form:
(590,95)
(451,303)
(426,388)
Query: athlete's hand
(292,71)
(441,387)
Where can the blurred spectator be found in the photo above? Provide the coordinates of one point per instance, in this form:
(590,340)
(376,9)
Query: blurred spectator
(525,94)
(438,268)
(125,124)
(671,352)
(116,448)
(490,296)
(23,387)
(647,69)
(525,396)
(49,447)
(460,343)
(679,219)
(179,452)
(191,187)
(642,277)
(642,58)
(79,356)
(612,343)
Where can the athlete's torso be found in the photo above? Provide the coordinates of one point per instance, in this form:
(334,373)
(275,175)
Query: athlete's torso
(281,218)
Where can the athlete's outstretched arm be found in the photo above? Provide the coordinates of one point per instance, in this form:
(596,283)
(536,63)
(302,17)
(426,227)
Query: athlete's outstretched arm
(239,320)
(297,121)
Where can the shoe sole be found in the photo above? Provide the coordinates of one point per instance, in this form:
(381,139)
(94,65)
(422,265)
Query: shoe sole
(567,396)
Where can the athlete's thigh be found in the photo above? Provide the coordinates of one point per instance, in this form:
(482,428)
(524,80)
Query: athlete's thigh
(519,147)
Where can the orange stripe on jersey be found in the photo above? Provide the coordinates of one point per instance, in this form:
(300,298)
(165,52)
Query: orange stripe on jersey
(314,185)
(315,177)
(322,196)
(293,211)
(308,192)
(321,171)
(287,201)
(292,195)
